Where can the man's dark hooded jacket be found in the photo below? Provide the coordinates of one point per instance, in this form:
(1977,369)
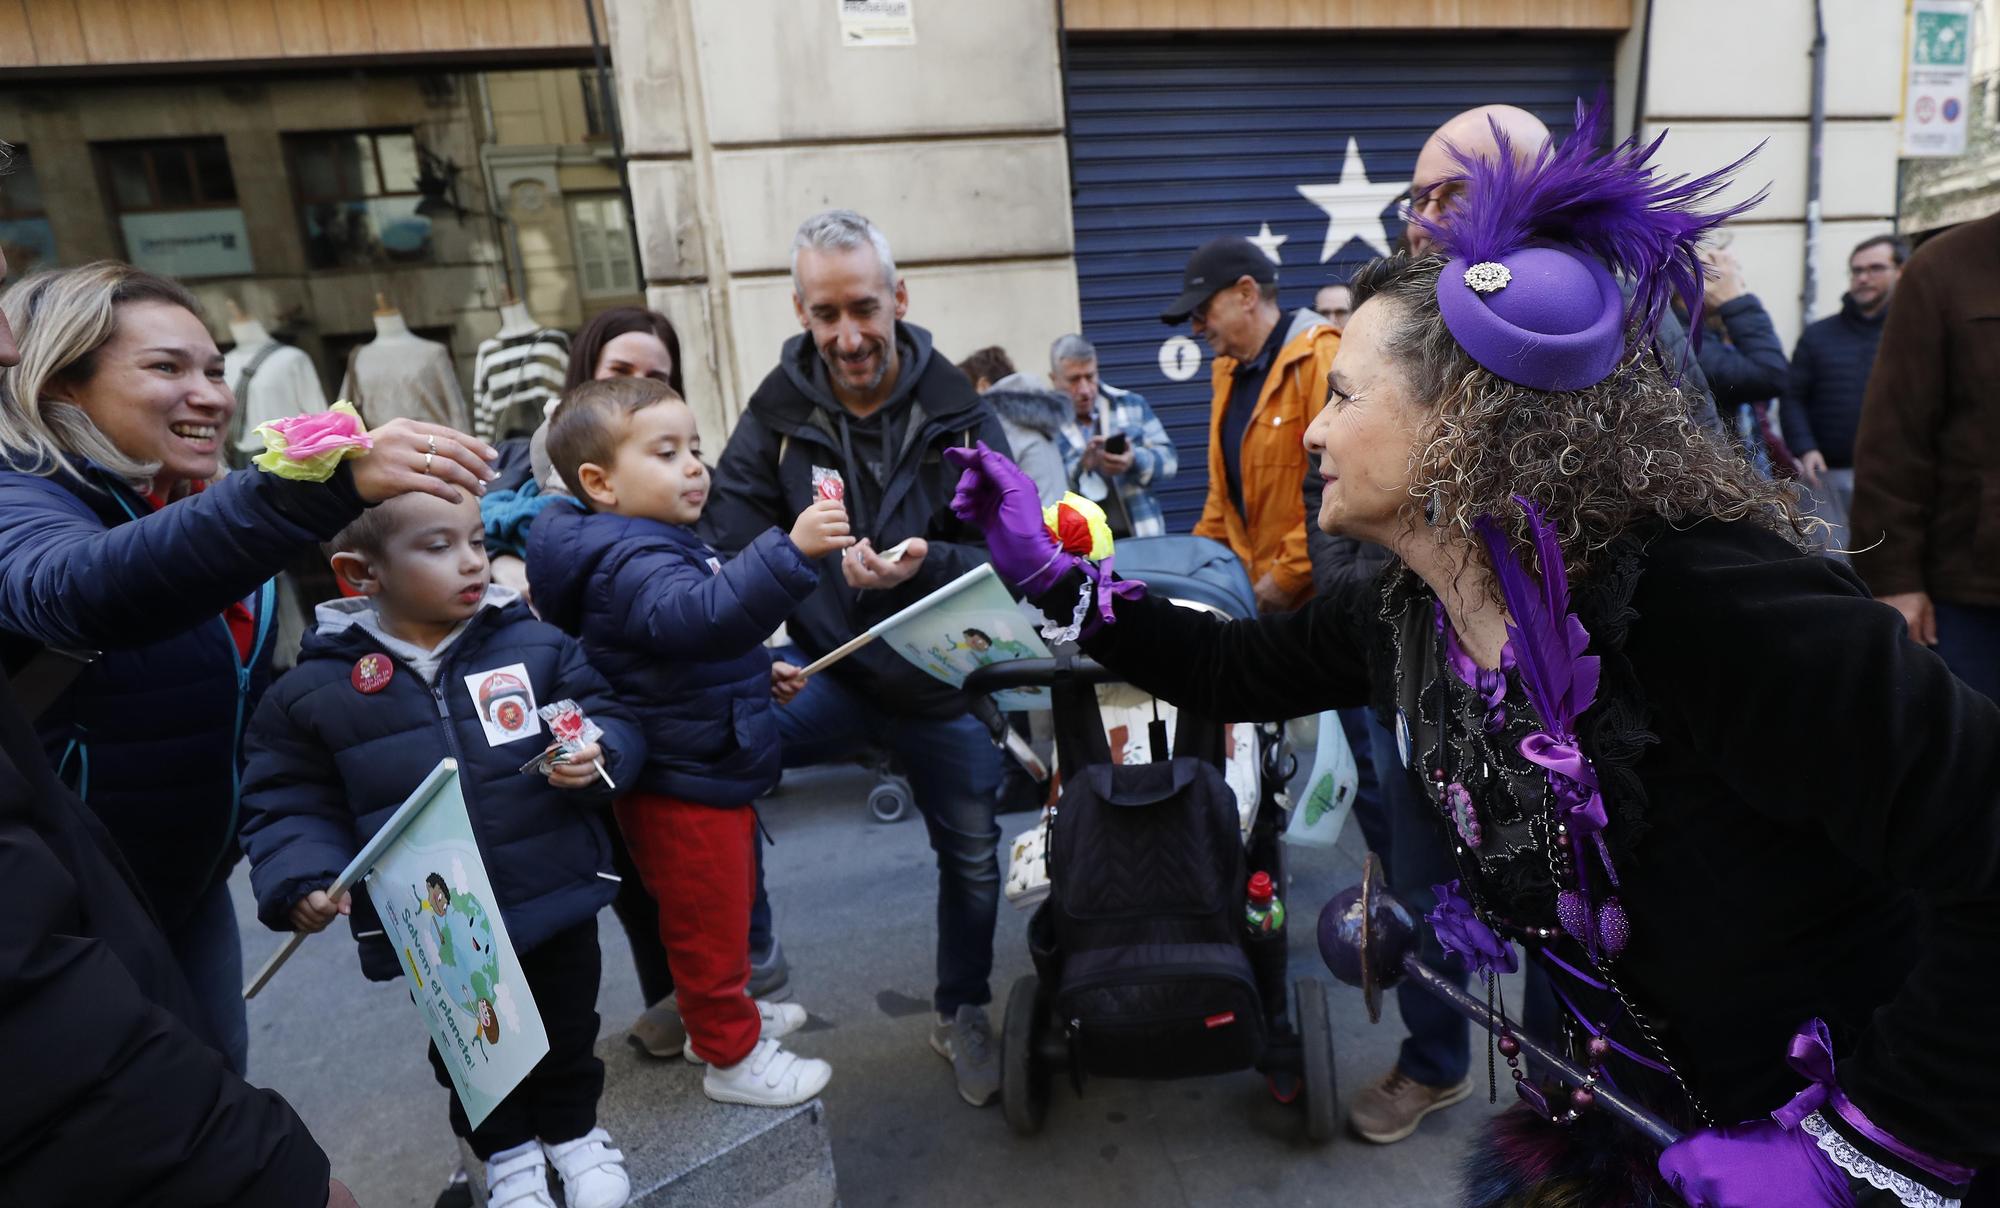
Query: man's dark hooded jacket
(898,486)
(110,1097)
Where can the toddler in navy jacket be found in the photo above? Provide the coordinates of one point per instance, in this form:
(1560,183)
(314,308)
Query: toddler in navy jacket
(680,634)
(435,661)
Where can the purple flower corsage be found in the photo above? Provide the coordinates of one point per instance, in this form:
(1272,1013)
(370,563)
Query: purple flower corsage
(1461,933)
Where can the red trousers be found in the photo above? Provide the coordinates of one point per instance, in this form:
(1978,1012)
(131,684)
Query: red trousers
(697,860)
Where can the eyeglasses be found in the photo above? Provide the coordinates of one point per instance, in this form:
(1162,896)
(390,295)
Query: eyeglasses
(1869,270)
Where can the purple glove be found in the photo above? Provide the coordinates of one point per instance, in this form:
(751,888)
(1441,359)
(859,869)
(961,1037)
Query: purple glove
(1760,1164)
(1779,1162)
(1001,499)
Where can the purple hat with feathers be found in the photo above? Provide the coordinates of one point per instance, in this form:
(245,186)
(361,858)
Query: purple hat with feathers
(1534,243)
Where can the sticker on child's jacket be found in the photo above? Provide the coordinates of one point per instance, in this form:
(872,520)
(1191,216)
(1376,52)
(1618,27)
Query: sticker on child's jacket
(505,701)
(714,565)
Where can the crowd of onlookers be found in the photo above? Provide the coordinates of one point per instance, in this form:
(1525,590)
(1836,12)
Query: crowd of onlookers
(604,561)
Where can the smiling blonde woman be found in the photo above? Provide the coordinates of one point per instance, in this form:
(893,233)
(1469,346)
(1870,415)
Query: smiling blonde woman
(117,535)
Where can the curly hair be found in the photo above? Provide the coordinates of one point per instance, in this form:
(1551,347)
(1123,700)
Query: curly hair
(1597,461)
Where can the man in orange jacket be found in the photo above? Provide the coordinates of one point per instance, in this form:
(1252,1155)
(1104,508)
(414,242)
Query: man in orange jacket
(1269,377)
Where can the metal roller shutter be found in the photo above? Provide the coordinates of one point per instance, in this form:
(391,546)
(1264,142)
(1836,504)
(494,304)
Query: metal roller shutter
(1301,143)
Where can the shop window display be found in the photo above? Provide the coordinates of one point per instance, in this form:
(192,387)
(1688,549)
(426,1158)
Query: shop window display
(359,200)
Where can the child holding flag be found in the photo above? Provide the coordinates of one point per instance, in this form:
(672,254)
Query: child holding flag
(431,661)
(680,634)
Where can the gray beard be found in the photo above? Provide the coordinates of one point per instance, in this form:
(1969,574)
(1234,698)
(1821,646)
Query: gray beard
(835,380)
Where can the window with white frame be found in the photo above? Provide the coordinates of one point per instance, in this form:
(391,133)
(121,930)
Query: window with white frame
(606,262)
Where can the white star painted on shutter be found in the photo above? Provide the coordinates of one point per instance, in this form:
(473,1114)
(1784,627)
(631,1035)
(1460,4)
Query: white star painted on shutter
(1268,243)
(1353,205)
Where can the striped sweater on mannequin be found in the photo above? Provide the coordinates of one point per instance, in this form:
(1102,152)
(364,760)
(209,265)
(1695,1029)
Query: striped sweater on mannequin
(513,378)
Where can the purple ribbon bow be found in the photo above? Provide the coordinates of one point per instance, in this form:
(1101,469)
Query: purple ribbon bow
(1572,777)
(1811,1054)
(1110,590)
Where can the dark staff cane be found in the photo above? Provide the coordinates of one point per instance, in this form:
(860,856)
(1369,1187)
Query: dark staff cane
(1368,939)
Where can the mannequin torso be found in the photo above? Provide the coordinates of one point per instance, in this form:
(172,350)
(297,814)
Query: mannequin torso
(517,373)
(401,375)
(270,380)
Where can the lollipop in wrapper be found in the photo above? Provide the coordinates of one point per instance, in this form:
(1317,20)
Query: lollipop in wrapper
(828,484)
(573,733)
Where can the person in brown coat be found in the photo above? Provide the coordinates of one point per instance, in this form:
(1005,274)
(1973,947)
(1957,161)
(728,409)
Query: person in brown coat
(1926,527)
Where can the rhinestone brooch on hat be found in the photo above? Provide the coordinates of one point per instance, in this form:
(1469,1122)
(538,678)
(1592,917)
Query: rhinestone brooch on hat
(1487,276)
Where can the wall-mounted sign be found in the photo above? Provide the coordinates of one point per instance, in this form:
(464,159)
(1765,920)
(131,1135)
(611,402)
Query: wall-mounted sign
(188,243)
(1938,74)
(877,23)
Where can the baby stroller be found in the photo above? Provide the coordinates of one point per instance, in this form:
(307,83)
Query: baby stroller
(1143,965)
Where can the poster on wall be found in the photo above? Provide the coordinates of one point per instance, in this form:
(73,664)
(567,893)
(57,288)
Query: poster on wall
(188,243)
(1938,78)
(877,23)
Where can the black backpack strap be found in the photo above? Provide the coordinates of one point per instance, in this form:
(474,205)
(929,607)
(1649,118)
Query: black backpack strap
(1080,740)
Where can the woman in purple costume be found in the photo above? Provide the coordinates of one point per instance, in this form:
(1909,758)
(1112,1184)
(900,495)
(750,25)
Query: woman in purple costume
(1748,828)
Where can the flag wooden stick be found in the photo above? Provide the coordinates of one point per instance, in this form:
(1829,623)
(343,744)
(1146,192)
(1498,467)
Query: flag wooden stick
(271,966)
(362,863)
(846,648)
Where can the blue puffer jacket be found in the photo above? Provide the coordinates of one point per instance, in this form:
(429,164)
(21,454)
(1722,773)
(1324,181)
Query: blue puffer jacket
(149,734)
(328,764)
(680,634)
(1821,409)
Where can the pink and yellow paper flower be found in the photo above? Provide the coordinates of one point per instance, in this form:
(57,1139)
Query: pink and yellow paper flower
(308,448)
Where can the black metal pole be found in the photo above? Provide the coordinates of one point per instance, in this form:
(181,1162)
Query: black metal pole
(1815,154)
(1645,67)
(1655,1129)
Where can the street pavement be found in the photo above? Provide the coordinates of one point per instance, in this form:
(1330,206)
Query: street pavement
(854,901)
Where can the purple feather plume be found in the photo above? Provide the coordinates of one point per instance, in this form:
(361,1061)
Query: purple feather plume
(1611,205)
(1549,642)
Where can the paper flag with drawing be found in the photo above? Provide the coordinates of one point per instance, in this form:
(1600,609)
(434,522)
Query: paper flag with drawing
(438,906)
(968,623)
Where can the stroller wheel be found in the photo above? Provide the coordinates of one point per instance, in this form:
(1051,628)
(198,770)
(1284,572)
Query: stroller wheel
(1024,1077)
(890,801)
(1316,1046)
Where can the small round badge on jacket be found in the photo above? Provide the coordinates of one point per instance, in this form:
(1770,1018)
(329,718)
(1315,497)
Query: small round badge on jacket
(372,673)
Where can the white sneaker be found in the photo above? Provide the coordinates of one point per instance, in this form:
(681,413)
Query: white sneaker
(775,1019)
(768,1077)
(519,1178)
(593,1173)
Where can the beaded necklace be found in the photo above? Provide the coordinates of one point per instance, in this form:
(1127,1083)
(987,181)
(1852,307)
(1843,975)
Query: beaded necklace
(1543,805)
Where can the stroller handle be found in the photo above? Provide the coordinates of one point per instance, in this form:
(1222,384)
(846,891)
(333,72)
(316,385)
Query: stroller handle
(1037,673)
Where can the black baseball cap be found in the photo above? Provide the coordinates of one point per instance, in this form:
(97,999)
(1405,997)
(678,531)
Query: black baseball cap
(1214,267)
